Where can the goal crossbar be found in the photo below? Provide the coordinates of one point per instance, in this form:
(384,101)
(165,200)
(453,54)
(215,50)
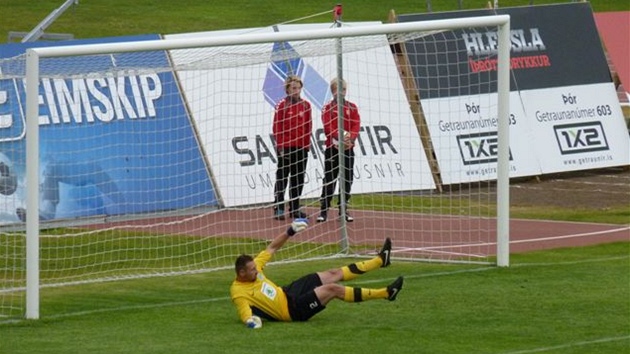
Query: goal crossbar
(255,38)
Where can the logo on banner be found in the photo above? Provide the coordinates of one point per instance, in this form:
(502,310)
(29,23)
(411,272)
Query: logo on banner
(286,61)
(522,41)
(479,148)
(580,137)
(12,123)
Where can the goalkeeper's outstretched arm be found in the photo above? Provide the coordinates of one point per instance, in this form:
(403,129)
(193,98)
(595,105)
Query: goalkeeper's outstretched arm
(297,225)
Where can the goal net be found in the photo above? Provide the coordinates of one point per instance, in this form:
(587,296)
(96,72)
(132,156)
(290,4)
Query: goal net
(158,157)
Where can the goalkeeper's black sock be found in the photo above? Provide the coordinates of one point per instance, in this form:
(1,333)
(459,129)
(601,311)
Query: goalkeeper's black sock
(351,271)
(363,294)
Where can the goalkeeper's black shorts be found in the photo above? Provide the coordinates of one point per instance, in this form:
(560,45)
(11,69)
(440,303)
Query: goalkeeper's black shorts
(302,301)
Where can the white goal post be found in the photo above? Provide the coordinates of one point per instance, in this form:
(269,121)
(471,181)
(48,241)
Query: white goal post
(228,198)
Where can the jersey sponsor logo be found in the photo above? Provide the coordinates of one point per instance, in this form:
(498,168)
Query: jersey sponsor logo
(269,291)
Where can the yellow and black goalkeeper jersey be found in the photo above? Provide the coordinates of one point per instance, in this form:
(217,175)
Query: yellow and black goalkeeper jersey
(262,294)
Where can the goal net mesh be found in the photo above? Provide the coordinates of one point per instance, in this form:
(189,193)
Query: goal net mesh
(158,163)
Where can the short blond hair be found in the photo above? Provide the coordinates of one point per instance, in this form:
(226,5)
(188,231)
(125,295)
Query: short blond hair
(291,79)
(334,84)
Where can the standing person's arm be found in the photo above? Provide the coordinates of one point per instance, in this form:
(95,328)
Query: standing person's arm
(278,124)
(355,121)
(330,124)
(353,124)
(309,124)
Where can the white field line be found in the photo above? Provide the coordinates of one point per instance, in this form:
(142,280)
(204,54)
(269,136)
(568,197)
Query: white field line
(380,281)
(550,238)
(571,345)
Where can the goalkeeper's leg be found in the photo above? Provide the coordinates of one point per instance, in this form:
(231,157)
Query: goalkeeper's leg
(328,292)
(309,296)
(351,271)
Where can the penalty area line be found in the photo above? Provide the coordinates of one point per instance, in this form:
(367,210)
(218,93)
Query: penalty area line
(571,345)
(128,308)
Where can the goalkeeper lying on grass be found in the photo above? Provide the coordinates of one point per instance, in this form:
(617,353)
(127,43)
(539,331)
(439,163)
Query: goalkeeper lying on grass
(256,297)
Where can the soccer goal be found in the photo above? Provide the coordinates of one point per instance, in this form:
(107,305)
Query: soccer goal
(156,157)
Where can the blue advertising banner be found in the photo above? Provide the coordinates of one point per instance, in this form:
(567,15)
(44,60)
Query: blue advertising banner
(112,142)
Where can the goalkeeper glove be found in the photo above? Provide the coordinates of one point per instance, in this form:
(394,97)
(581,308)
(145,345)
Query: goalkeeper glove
(296,226)
(254,322)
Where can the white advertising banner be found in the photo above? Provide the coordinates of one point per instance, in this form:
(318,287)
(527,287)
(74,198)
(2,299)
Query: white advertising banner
(564,112)
(464,135)
(233,112)
(577,127)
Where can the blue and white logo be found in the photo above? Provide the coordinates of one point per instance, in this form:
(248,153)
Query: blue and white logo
(286,61)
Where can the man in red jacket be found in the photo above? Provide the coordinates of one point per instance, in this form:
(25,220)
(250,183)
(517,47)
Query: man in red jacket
(351,125)
(292,125)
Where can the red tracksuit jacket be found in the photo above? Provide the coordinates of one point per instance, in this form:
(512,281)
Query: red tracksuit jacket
(292,124)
